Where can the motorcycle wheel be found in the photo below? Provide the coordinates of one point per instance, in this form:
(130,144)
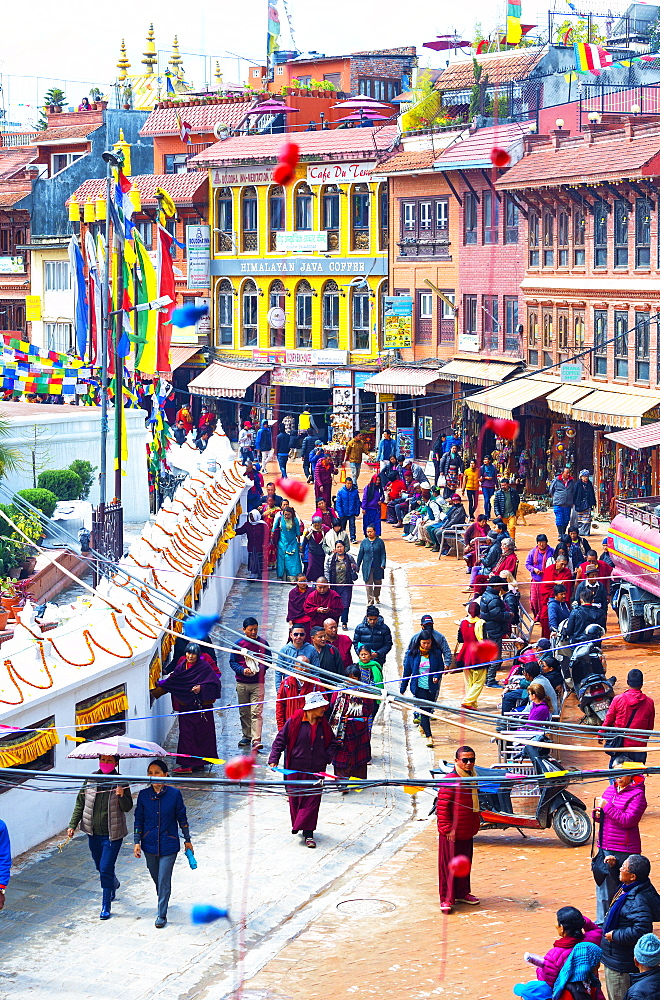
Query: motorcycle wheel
(572,832)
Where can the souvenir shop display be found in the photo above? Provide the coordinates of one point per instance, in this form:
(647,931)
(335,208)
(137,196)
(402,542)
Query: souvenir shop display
(607,472)
(633,473)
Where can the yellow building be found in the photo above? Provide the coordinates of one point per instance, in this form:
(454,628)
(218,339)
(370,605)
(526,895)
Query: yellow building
(299,272)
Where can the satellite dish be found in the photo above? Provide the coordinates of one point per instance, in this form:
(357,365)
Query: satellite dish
(220,131)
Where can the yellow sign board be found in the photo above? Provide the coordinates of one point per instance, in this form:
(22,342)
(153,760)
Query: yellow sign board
(32,308)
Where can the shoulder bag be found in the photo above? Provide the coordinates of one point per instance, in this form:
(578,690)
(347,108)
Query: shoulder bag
(615,740)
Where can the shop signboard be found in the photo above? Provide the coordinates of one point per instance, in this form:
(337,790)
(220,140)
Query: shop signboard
(198,253)
(313,378)
(360,378)
(226,176)
(343,376)
(281,356)
(301,242)
(32,308)
(570,372)
(299,266)
(397,321)
(405,440)
(339,173)
(12,265)
(468,342)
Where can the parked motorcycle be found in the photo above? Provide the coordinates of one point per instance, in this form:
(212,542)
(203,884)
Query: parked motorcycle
(595,695)
(556,806)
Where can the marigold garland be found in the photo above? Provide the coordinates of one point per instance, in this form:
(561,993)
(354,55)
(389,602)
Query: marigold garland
(3,701)
(70,662)
(121,636)
(39,687)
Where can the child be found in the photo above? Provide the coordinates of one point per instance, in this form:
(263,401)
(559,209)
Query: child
(572,928)
(371,671)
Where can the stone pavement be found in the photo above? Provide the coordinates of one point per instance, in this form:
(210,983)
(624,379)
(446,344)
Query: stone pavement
(248,863)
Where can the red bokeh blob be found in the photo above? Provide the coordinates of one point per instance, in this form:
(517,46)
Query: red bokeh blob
(239,767)
(289,153)
(283,174)
(294,489)
(460,866)
(499,157)
(507,429)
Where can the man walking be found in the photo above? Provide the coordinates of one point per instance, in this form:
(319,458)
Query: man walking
(308,445)
(283,448)
(496,618)
(329,658)
(562,491)
(374,633)
(386,449)
(347,506)
(488,483)
(295,647)
(250,682)
(631,710)
(355,450)
(427,623)
(505,504)
(458,818)
(631,914)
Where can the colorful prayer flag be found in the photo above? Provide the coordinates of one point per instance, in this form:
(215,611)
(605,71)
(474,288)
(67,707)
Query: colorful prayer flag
(184,128)
(591,58)
(273,36)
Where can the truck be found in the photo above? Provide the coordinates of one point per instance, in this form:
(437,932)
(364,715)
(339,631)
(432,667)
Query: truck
(633,543)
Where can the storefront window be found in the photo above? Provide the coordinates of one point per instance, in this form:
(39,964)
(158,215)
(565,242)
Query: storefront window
(250,311)
(304,315)
(642,346)
(562,331)
(361,321)
(225,315)
(547,330)
(224,220)
(533,239)
(600,342)
(620,344)
(620,233)
(578,329)
(331,315)
(533,337)
(360,217)
(277,300)
(642,232)
(490,310)
(249,219)
(579,227)
(470,314)
(600,234)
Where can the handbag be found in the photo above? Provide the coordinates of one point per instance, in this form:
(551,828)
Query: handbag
(615,741)
(429,469)
(599,867)
(442,480)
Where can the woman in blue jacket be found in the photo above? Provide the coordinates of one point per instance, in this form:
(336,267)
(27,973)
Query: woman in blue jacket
(158,811)
(422,667)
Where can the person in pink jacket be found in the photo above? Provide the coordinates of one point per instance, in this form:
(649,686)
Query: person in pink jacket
(619,810)
(572,928)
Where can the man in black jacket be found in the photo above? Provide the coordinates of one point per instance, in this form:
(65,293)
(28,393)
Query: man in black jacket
(308,445)
(374,633)
(329,658)
(505,504)
(645,984)
(595,589)
(585,614)
(632,911)
(496,619)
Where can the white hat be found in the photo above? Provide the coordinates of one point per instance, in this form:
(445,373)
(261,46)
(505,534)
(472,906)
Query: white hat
(314,700)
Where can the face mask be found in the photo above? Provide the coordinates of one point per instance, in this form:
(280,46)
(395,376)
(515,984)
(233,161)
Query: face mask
(106,767)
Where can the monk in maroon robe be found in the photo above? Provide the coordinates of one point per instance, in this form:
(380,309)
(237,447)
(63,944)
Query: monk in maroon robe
(323,603)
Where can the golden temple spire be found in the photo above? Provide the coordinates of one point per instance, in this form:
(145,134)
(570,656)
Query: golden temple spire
(150,58)
(176,62)
(218,75)
(123,65)
(124,148)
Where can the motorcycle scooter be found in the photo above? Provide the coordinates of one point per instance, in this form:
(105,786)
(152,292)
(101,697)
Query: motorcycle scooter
(556,807)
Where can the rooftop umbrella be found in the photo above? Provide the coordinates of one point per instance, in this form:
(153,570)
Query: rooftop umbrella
(365,116)
(119,746)
(362,101)
(272,108)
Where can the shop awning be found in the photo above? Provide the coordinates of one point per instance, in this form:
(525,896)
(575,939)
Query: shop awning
(562,399)
(502,400)
(222,380)
(478,372)
(618,409)
(636,438)
(179,356)
(403,381)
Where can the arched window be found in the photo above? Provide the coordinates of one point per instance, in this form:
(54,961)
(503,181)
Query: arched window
(276,215)
(360,217)
(360,314)
(224,220)
(277,300)
(330,208)
(250,312)
(303,206)
(331,314)
(383,216)
(304,314)
(249,219)
(225,314)
(533,337)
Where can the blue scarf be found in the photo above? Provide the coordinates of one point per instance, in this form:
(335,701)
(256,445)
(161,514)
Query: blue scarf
(612,919)
(577,967)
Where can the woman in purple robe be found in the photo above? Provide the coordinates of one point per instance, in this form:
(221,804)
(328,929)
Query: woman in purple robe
(194,685)
(258,537)
(308,744)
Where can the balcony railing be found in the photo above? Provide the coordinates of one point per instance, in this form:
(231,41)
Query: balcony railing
(414,247)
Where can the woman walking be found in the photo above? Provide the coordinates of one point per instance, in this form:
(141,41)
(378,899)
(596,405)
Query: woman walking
(309,745)
(350,721)
(470,632)
(269,513)
(470,485)
(372,558)
(323,473)
(556,572)
(286,539)
(159,812)
(422,667)
(341,572)
(618,813)
(258,537)
(312,546)
(195,687)
(100,809)
(372,497)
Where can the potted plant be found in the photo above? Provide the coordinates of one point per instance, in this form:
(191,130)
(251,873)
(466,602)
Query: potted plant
(9,597)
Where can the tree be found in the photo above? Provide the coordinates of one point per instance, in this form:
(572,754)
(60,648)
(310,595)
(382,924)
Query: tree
(426,110)
(38,455)
(10,459)
(654,35)
(478,93)
(579,32)
(55,98)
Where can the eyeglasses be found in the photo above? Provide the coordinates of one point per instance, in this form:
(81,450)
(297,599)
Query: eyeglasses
(297,635)
(468,760)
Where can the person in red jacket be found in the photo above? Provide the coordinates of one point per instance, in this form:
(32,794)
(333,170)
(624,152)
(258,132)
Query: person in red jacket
(291,695)
(631,710)
(458,818)
(323,603)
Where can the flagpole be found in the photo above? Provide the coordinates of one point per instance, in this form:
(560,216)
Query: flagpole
(105,335)
(119,369)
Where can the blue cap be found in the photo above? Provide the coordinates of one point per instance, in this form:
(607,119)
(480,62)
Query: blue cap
(534,990)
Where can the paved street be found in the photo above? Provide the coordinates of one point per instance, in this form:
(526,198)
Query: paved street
(248,863)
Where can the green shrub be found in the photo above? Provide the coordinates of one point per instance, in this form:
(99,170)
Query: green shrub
(65,484)
(42,499)
(9,510)
(86,472)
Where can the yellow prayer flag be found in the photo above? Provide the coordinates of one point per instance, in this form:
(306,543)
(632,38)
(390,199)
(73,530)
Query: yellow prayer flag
(513,30)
